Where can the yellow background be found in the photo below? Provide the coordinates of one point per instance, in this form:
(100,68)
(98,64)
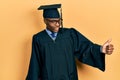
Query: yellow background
(98,20)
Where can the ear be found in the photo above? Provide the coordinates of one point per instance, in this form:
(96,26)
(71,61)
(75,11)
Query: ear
(45,21)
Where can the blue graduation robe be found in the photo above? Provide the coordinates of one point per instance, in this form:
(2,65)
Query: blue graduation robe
(55,59)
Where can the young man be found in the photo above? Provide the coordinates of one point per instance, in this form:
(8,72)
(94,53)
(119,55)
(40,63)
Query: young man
(54,50)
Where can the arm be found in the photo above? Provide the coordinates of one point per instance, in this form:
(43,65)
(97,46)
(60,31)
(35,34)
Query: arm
(87,52)
(35,64)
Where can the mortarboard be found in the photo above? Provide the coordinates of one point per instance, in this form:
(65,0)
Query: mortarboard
(51,11)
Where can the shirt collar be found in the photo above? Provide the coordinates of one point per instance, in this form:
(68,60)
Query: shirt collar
(49,32)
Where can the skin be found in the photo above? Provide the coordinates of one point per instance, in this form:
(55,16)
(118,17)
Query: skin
(53,24)
(107,47)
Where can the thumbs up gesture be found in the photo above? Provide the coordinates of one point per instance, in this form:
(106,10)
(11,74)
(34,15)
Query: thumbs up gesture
(107,48)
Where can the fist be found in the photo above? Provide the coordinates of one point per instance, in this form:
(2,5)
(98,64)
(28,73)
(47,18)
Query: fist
(107,47)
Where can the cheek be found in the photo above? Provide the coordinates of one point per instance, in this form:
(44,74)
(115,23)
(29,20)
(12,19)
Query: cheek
(51,25)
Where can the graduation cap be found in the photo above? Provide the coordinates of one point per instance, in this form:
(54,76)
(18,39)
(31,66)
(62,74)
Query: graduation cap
(51,11)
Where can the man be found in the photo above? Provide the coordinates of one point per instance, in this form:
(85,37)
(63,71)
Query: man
(55,49)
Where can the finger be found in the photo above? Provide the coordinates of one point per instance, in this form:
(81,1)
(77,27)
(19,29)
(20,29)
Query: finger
(108,41)
(110,50)
(109,53)
(110,46)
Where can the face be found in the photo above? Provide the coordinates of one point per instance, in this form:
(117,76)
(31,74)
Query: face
(53,24)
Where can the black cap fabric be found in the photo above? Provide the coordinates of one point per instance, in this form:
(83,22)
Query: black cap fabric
(50,11)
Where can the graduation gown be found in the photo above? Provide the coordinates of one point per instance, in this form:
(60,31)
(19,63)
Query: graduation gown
(55,59)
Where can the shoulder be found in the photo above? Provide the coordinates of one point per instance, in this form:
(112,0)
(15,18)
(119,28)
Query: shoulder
(38,35)
(69,29)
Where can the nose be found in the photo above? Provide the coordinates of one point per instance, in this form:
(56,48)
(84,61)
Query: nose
(57,24)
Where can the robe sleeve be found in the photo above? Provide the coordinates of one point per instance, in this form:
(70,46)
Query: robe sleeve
(87,52)
(35,64)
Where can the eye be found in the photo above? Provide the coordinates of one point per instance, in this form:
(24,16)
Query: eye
(52,21)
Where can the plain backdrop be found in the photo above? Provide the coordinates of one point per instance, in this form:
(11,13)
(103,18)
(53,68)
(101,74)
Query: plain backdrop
(98,20)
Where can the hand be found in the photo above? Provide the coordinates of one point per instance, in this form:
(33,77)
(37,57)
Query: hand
(107,48)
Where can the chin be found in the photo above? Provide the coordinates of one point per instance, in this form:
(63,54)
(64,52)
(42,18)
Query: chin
(56,29)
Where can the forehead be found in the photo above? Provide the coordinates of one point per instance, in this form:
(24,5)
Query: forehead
(53,18)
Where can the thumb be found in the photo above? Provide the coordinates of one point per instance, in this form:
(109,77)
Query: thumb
(107,42)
